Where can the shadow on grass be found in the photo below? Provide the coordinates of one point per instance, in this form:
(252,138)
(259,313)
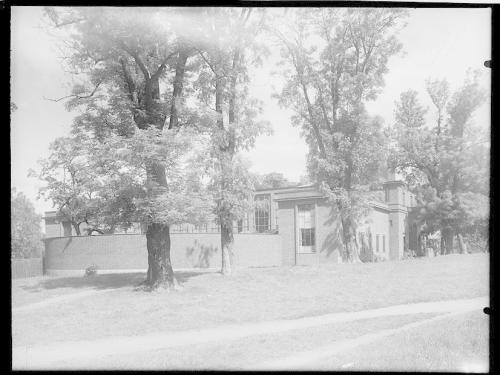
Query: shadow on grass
(107,281)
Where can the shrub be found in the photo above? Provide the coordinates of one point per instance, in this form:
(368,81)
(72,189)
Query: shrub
(409,254)
(91,270)
(26,235)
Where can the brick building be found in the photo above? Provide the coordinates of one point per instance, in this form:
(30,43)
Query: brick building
(308,226)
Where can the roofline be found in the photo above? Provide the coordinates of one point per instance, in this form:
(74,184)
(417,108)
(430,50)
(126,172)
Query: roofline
(286,188)
(300,198)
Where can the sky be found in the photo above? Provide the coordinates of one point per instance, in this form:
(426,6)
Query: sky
(437,43)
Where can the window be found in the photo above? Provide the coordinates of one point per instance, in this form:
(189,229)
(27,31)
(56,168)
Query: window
(262,213)
(387,195)
(307,237)
(380,242)
(276,216)
(50,221)
(307,234)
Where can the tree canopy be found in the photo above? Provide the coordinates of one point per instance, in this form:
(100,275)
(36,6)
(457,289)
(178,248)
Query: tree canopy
(446,162)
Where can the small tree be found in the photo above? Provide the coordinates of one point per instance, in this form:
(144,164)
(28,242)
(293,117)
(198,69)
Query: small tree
(25,227)
(70,181)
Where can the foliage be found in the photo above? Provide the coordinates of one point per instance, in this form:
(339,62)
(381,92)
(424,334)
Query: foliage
(91,270)
(226,50)
(70,181)
(26,234)
(272,180)
(409,254)
(446,163)
(334,61)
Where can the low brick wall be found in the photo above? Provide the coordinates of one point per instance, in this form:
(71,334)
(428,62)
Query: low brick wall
(128,251)
(26,267)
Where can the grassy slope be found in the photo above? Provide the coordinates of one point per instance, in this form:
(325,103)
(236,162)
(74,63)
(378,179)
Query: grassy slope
(459,344)
(209,300)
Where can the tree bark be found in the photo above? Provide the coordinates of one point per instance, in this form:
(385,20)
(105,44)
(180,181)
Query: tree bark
(351,249)
(66,228)
(224,215)
(227,241)
(446,241)
(76,226)
(462,246)
(160,272)
(180,69)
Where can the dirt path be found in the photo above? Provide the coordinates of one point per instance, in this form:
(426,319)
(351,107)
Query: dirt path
(35,357)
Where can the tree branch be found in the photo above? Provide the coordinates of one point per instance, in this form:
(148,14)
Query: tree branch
(162,66)
(76,96)
(206,61)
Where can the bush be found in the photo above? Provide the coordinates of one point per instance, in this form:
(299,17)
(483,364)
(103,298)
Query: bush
(409,254)
(91,270)
(26,235)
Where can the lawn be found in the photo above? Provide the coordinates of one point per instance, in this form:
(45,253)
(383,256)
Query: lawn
(250,295)
(459,344)
(243,354)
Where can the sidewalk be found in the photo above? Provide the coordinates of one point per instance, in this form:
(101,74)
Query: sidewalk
(33,357)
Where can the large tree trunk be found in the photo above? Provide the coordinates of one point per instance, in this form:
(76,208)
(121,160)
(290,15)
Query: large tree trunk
(446,240)
(66,228)
(227,241)
(76,226)
(462,246)
(351,249)
(160,272)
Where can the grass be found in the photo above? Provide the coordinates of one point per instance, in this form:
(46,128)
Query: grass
(210,299)
(459,344)
(246,353)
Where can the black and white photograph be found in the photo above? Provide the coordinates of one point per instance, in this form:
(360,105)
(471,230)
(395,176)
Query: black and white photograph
(252,187)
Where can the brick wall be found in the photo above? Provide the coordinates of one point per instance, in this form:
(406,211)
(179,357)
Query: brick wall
(189,250)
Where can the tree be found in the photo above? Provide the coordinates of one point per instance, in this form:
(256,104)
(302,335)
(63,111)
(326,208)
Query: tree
(133,66)
(336,60)
(26,236)
(447,163)
(273,180)
(227,44)
(70,183)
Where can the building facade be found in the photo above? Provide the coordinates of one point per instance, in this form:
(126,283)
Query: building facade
(309,227)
